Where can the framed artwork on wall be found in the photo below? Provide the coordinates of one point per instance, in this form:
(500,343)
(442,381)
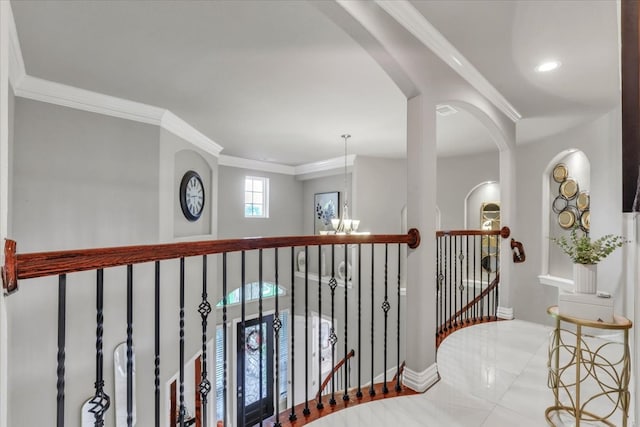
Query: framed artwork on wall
(326,208)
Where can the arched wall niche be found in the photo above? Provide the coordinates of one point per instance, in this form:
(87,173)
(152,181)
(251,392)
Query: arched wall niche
(566,183)
(482,194)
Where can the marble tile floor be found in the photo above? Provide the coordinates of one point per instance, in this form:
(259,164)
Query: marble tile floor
(492,375)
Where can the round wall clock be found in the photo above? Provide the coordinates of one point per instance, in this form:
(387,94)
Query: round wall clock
(191,195)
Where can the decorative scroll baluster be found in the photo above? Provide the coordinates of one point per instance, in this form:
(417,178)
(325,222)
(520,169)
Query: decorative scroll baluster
(359,392)
(292,415)
(385,307)
(372,390)
(157,344)
(204,309)
(182,412)
(224,340)
(319,404)
(306,412)
(398,387)
(345,396)
(62,308)
(100,401)
(277,325)
(333,283)
(129,345)
(260,351)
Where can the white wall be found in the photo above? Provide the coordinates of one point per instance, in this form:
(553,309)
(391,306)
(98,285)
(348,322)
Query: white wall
(600,141)
(457,176)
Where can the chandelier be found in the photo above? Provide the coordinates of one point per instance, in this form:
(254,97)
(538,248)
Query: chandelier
(344,224)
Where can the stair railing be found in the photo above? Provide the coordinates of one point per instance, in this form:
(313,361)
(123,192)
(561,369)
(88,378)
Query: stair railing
(240,261)
(467,277)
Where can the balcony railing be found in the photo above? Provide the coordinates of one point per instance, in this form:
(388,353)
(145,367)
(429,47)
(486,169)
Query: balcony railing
(341,293)
(468,278)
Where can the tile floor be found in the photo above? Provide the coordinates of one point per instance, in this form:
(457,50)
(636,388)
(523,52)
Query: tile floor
(493,375)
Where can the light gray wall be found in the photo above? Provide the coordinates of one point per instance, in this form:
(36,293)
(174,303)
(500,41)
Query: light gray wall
(456,178)
(323,185)
(285,207)
(600,141)
(380,193)
(85,180)
(80,180)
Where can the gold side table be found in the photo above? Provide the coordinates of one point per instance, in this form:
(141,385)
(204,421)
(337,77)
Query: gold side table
(574,367)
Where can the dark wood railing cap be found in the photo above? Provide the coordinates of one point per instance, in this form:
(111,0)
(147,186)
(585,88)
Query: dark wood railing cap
(40,264)
(504,232)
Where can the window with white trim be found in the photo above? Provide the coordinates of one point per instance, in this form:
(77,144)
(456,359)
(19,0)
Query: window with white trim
(256,197)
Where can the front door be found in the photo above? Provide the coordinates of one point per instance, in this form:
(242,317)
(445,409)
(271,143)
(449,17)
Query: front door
(255,371)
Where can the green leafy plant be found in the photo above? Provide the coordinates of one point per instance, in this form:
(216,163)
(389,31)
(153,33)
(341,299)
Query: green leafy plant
(582,250)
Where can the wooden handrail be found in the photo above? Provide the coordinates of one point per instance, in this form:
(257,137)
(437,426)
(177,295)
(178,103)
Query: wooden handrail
(333,371)
(504,232)
(31,265)
(477,299)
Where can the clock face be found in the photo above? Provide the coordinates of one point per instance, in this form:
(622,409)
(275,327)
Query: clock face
(191,195)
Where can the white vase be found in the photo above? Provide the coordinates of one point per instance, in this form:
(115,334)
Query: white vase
(585,278)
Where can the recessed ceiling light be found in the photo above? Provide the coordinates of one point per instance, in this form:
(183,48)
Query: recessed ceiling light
(547,66)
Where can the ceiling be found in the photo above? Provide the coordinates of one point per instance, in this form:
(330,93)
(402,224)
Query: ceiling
(278,81)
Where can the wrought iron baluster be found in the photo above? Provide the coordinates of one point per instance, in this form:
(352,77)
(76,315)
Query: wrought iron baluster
(182,412)
(156,321)
(447,271)
(319,404)
(475,268)
(224,340)
(333,283)
(454,292)
(398,387)
(242,356)
(438,288)
(372,390)
(359,392)
(260,332)
(60,371)
(129,345)
(345,396)
(277,325)
(306,412)
(385,308)
(100,401)
(204,309)
(292,415)
(467,277)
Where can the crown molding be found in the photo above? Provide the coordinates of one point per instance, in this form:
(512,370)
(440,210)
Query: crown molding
(324,165)
(179,127)
(257,165)
(16,62)
(86,100)
(411,19)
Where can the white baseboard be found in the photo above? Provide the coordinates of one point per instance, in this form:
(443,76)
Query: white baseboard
(505,313)
(421,381)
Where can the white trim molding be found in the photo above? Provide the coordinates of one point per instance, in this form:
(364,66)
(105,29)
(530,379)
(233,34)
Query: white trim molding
(411,19)
(257,165)
(505,313)
(16,62)
(324,165)
(421,381)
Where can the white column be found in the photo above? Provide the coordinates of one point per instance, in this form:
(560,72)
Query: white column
(421,371)
(507,218)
